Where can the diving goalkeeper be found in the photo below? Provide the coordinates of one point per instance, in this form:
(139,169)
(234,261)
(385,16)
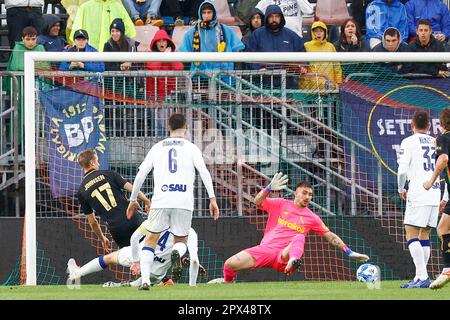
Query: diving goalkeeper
(284,237)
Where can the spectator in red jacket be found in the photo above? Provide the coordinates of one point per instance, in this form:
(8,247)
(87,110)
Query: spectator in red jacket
(158,88)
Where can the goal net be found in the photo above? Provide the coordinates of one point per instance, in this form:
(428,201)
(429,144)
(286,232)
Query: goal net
(335,121)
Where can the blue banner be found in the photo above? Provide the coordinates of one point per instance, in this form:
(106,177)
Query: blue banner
(380,123)
(73,122)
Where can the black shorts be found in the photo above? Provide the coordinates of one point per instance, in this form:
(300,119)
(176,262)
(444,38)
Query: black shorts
(447,208)
(121,233)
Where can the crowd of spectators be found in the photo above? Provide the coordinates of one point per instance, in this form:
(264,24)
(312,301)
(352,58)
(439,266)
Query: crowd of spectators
(272,26)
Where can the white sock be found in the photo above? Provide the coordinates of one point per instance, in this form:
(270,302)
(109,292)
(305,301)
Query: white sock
(180,247)
(426,251)
(416,251)
(147,255)
(136,283)
(193,272)
(92,266)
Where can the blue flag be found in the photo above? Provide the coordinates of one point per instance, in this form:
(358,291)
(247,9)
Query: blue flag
(73,122)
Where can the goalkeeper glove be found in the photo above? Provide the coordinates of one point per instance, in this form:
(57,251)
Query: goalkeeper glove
(355,255)
(279,182)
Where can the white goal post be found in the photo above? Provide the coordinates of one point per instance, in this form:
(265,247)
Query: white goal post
(276,57)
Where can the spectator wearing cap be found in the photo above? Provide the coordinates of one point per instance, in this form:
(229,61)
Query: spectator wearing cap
(119,42)
(383,14)
(51,38)
(95,16)
(144,12)
(20,14)
(80,39)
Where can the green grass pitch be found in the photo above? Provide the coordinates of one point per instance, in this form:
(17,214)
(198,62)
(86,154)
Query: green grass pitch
(304,290)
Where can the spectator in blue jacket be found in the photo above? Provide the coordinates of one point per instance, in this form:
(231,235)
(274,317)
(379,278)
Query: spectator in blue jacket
(383,14)
(208,35)
(433,10)
(51,38)
(275,37)
(80,39)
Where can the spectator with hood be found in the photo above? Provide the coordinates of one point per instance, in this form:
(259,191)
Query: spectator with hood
(333,71)
(383,14)
(208,35)
(51,38)
(256,21)
(275,37)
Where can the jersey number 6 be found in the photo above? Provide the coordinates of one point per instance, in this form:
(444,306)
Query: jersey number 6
(172,160)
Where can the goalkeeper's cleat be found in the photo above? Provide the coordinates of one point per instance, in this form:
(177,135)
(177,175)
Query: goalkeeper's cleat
(144,287)
(217,280)
(422,284)
(407,284)
(176,265)
(72,269)
(293,265)
(166,282)
(441,281)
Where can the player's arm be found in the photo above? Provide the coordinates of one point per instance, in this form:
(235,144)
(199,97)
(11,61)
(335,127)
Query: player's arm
(141,196)
(278,182)
(95,226)
(338,243)
(441,164)
(200,165)
(403,166)
(145,167)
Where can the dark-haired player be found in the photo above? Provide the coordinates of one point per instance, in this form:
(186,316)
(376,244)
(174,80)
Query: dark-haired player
(284,237)
(416,164)
(173,161)
(443,228)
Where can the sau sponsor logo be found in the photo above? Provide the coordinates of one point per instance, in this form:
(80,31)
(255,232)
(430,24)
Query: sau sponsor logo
(174,187)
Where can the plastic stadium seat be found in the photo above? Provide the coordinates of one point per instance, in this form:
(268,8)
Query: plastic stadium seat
(332,11)
(178,33)
(224,14)
(145,34)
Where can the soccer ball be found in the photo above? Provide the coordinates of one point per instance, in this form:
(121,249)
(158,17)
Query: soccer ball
(368,273)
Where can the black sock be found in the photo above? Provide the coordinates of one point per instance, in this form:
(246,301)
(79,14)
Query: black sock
(446,250)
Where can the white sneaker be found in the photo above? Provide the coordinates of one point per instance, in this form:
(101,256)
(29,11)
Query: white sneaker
(72,269)
(441,281)
(217,280)
(111,284)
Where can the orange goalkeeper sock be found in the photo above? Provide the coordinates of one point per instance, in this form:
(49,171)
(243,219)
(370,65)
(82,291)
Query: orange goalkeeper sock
(228,274)
(298,245)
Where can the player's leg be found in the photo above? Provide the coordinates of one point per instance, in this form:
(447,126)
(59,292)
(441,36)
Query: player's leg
(157,222)
(443,230)
(413,222)
(240,261)
(294,252)
(194,263)
(98,264)
(180,224)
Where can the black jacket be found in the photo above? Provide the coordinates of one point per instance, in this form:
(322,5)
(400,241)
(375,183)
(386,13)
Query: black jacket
(429,67)
(110,46)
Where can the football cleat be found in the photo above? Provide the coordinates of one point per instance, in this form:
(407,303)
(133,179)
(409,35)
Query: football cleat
(112,284)
(166,282)
(421,284)
(217,280)
(293,265)
(144,287)
(176,265)
(72,269)
(441,281)
(407,284)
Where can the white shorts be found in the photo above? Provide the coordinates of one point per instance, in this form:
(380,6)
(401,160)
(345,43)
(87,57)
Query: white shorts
(178,220)
(421,217)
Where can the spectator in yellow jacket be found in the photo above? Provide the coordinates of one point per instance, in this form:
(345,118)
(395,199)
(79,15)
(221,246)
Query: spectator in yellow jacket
(321,75)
